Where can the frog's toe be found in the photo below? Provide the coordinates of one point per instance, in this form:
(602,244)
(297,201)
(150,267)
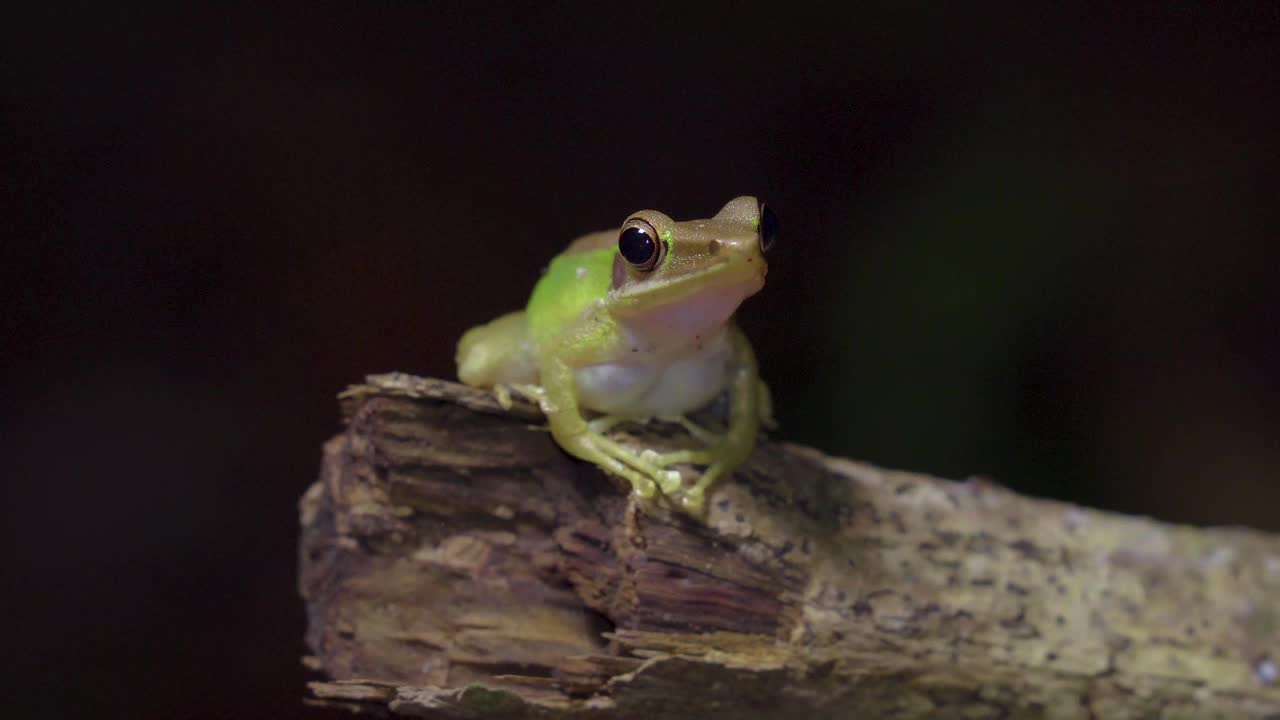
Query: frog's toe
(670,481)
(644,490)
(503,395)
(642,486)
(603,424)
(705,436)
(684,457)
(692,500)
(646,485)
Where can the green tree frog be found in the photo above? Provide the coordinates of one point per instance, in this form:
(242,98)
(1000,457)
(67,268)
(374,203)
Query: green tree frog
(634,324)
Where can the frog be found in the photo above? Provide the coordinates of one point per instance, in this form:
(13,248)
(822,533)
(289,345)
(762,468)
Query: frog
(634,325)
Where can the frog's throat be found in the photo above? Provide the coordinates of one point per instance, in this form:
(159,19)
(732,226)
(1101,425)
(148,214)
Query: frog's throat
(693,319)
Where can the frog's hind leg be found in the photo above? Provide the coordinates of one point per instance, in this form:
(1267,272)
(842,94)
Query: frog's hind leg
(497,353)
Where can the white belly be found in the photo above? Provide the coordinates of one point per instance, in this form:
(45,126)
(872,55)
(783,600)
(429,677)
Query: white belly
(687,383)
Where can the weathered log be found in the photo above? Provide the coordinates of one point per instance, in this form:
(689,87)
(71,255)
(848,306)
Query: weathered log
(456,564)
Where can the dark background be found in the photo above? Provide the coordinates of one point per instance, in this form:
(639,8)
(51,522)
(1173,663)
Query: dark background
(1031,243)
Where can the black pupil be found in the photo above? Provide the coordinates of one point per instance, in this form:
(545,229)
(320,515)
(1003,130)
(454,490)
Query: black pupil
(768,228)
(636,246)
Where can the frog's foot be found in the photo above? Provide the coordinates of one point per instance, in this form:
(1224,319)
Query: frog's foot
(645,476)
(503,394)
(719,460)
(533,392)
(702,434)
(693,499)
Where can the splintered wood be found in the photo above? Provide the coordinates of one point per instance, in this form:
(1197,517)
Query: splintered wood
(456,564)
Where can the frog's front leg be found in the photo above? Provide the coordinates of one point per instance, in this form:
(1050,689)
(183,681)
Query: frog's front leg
(734,447)
(576,435)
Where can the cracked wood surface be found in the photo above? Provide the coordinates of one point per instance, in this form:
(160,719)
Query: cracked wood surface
(456,564)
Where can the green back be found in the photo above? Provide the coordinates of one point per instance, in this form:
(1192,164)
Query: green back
(560,295)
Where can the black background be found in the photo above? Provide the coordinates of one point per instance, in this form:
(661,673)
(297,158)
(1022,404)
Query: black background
(1031,243)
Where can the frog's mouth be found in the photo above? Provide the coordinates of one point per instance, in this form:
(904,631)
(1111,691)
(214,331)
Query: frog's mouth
(716,290)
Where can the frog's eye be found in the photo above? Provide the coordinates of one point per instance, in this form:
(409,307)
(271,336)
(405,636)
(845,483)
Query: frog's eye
(639,245)
(768,228)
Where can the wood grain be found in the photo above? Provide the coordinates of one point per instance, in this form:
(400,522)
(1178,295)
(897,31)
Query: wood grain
(456,564)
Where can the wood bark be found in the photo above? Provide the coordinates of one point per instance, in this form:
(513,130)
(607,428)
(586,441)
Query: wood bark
(456,564)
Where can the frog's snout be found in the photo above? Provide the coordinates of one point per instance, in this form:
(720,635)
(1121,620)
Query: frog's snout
(745,247)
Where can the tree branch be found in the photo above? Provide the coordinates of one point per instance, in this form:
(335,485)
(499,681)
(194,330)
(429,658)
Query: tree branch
(456,564)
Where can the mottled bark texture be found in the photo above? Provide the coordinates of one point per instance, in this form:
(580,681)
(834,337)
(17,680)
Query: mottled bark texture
(457,564)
